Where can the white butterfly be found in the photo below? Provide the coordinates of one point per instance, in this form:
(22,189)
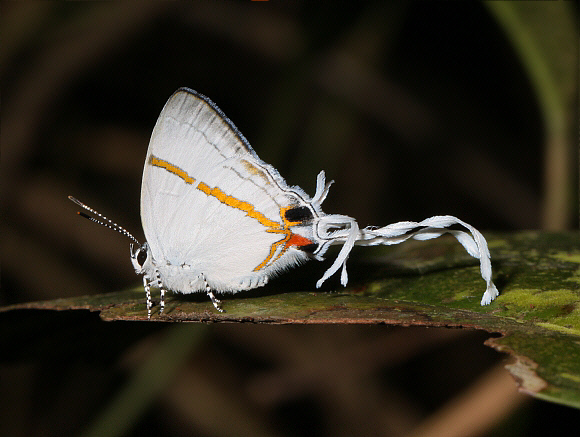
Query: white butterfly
(219,219)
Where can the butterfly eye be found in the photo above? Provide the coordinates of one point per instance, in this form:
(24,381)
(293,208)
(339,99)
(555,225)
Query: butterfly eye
(142,256)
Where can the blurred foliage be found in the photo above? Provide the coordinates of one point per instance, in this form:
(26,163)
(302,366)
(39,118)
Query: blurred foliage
(550,59)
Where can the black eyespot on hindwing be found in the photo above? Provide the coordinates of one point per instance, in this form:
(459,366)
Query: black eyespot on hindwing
(298,214)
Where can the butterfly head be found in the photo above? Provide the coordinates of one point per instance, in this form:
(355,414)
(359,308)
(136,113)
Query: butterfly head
(140,257)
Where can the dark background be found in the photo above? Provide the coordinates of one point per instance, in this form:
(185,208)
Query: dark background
(413,108)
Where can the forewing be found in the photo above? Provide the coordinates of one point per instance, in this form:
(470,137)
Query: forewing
(207,200)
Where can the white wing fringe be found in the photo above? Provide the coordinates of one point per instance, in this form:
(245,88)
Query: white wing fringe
(343,229)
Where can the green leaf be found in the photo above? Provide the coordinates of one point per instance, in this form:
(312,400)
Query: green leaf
(431,283)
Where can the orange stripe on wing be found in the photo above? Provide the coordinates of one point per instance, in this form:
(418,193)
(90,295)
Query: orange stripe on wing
(157,162)
(290,239)
(216,192)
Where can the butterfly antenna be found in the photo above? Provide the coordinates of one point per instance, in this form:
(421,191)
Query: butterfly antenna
(106,222)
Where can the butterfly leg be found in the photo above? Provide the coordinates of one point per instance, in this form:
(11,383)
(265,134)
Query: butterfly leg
(162,303)
(162,291)
(148,296)
(216,302)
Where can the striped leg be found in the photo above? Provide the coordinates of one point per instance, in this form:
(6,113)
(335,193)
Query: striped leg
(216,302)
(162,303)
(148,295)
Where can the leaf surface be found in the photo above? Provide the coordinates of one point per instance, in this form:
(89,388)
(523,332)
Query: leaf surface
(432,284)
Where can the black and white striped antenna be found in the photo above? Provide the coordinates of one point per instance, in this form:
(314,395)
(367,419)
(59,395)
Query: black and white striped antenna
(105,221)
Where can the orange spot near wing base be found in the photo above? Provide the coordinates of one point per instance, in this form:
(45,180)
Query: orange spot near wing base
(298,240)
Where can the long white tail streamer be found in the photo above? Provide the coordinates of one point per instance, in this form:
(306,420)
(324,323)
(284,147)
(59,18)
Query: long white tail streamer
(349,233)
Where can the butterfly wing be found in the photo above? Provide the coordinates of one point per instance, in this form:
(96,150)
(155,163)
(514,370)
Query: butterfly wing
(209,204)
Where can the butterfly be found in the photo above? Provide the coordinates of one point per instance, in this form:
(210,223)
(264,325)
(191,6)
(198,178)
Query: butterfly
(217,219)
